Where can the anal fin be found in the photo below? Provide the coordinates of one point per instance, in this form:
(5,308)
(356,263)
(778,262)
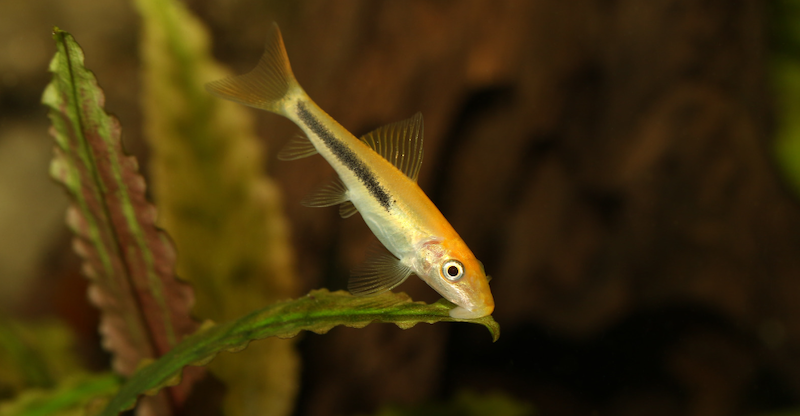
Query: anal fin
(381,272)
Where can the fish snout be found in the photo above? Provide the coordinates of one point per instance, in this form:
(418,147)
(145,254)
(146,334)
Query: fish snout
(460,312)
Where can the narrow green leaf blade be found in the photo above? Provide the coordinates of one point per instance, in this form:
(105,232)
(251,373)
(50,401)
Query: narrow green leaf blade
(319,311)
(76,396)
(145,310)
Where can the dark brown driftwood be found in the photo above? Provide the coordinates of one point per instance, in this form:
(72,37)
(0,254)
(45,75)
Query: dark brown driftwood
(609,162)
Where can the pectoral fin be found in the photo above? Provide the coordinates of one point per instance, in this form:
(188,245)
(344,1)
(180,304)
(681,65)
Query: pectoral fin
(380,272)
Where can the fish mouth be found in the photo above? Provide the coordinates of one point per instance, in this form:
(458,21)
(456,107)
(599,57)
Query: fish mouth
(460,312)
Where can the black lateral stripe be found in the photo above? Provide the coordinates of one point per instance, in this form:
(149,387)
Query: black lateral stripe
(345,156)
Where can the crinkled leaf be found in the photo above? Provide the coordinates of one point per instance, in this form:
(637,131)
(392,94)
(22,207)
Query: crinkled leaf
(319,311)
(216,203)
(144,308)
(79,395)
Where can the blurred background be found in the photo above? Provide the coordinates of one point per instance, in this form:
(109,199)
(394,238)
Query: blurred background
(624,170)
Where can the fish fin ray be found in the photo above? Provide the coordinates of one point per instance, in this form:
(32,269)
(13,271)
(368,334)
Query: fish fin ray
(381,272)
(347,209)
(328,195)
(297,148)
(267,85)
(400,143)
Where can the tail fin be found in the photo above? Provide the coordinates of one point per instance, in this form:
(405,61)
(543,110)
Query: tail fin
(267,85)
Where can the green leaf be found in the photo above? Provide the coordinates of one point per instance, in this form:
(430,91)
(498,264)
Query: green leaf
(319,311)
(76,396)
(214,199)
(789,412)
(35,354)
(144,308)
(785,77)
(466,403)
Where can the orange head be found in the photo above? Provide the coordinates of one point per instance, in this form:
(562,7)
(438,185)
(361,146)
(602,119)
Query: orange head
(450,268)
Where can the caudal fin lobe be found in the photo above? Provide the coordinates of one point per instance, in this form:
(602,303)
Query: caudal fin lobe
(268,85)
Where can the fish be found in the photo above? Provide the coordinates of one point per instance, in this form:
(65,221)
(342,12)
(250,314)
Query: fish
(377,177)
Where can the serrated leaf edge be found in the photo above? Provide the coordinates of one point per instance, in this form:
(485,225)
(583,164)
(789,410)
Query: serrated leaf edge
(444,305)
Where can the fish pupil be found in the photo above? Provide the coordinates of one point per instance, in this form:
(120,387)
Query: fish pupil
(452,271)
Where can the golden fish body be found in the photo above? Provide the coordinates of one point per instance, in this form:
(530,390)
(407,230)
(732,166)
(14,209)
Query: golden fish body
(377,178)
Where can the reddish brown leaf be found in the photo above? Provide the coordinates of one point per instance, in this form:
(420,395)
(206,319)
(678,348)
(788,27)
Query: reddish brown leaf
(145,309)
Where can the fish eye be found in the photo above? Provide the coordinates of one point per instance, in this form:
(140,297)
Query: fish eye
(453,270)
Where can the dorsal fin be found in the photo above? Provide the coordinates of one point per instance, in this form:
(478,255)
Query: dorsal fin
(400,143)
